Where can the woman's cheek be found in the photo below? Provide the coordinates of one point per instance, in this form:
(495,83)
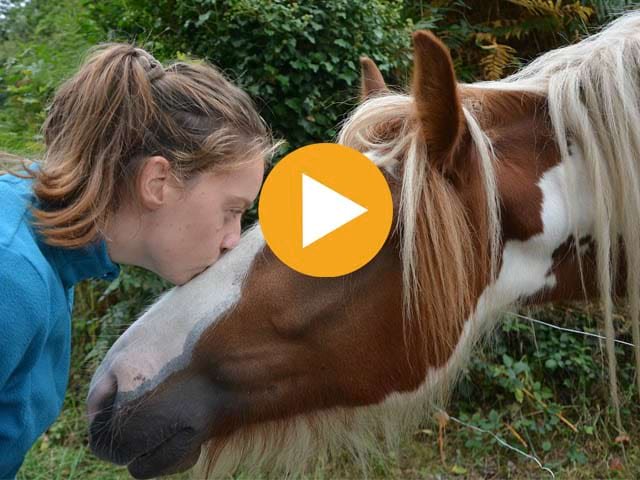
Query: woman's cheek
(217,226)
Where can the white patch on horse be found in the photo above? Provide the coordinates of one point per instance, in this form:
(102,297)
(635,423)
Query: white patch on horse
(526,265)
(162,340)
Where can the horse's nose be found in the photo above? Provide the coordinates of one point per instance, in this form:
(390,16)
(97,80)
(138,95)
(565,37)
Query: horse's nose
(101,396)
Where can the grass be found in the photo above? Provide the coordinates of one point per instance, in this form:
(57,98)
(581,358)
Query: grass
(61,454)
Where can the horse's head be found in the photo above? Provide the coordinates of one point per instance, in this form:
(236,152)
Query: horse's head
(263,365)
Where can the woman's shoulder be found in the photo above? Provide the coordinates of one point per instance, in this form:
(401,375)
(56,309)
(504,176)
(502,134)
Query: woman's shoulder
(15,202)
(23,287)
(15,186)
(18,242)
(18,265)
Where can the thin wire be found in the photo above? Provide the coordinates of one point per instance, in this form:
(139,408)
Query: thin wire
(502,442)
(564,329)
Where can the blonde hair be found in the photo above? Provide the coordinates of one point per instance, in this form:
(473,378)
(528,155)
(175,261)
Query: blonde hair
(120,108)
(431,219)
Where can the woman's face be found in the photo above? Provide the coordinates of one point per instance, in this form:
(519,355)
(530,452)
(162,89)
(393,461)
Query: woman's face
(199,221)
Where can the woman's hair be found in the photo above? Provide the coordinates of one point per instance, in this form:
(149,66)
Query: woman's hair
(120,108)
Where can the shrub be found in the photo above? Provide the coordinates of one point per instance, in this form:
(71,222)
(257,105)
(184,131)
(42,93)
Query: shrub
(299,59)
(42,43)
(489,39)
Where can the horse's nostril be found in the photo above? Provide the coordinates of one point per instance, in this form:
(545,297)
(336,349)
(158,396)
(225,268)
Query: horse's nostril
(101,397)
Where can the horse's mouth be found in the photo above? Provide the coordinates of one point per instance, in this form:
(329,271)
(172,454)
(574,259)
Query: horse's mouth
(174,454)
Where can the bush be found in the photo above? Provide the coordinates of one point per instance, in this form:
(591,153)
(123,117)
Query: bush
(537,386)
(43,43)
(300,60)
(490,39)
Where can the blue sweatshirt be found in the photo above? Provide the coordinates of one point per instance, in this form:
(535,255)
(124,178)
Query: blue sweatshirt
(36,299)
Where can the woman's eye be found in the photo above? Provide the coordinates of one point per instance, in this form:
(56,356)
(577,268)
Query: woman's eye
(233,214)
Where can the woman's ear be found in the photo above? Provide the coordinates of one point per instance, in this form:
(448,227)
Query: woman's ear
(437,101)
(153,181)
(372,80)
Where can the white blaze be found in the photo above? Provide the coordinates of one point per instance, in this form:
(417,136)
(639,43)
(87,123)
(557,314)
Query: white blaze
(161,341)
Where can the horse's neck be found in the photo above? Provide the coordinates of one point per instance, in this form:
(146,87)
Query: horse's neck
(544,202)
(542,267)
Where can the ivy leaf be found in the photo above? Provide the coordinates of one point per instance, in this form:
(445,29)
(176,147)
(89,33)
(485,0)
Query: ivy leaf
(519,394)
(507,360)
(458,470)
(203,18)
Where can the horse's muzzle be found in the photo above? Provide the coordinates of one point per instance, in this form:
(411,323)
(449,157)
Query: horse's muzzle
(158,433)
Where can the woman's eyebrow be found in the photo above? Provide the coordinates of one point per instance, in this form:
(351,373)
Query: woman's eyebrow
(246,203)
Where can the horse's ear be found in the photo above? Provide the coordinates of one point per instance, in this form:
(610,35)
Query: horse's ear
(372,80)
(437,101)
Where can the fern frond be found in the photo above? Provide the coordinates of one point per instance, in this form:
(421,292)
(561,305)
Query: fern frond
(579,10)
(499,57)
(541,7)
(508,28)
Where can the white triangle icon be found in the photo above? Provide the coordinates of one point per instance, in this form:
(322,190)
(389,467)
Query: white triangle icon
(324,210)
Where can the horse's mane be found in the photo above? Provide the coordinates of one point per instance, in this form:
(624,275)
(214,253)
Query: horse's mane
(593,94)
(593,91)
(431,219)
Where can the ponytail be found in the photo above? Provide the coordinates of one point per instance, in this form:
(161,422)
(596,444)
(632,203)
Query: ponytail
(120,108)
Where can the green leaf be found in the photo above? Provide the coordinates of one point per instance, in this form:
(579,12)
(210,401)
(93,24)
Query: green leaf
(203,18)
(458,470)
(507,361)
(341,43)
(519,395)
(283,80)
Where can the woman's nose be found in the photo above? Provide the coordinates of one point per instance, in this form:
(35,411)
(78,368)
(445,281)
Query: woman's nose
(231,240)
(232,243)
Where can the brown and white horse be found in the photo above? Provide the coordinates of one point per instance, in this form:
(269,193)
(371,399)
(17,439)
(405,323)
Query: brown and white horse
(515,192)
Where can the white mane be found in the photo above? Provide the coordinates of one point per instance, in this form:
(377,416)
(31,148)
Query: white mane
(593,91)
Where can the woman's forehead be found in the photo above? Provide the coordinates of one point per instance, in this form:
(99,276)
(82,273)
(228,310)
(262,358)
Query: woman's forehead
(244,181)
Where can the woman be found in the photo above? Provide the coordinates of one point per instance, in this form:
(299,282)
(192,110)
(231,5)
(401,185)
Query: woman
(144,165)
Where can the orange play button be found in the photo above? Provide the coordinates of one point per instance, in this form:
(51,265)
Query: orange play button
(325,210)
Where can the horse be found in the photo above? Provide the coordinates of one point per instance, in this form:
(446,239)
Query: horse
(509,193)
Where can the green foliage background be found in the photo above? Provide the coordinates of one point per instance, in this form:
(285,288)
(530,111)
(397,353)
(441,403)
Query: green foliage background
(299,59)
(543,391)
